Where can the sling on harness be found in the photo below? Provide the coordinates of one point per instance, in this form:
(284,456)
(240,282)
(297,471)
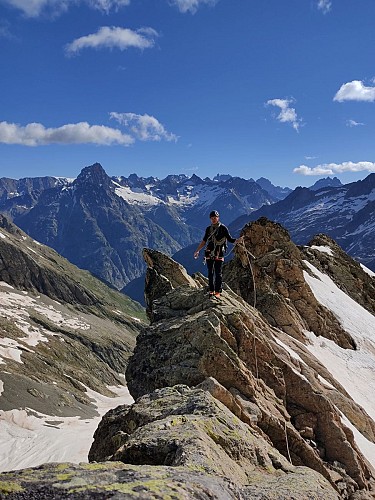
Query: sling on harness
(218,244)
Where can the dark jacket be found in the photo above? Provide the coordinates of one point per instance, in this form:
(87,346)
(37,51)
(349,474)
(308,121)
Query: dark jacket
(216,238)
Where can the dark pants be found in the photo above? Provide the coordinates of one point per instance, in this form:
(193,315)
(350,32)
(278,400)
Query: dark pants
(215,274)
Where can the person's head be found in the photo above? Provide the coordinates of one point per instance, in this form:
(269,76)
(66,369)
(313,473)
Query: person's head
(214,216)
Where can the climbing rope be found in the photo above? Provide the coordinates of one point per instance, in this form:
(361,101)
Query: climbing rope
(287,444)
(249,256)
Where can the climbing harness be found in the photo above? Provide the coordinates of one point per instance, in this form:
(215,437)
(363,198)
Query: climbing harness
(217,244)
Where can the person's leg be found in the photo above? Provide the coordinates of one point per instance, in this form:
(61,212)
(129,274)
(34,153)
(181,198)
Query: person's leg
(210,272)
(218,275)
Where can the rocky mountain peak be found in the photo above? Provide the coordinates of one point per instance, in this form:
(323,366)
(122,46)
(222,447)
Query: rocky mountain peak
(326,182)
(274,281)
(94,175)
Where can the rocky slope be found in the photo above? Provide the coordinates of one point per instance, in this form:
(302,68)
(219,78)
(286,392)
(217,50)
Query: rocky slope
(61,331)
(236,401)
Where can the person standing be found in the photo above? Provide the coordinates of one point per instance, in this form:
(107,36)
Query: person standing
(215,237)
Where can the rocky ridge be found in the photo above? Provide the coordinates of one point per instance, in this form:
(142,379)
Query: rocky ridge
(246,357)
(230,403)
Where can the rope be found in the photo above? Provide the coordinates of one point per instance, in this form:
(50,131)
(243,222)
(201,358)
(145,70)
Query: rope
(287,444)
(251,271)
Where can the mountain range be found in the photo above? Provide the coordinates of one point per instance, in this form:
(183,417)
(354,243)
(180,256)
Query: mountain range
(344,212)
(102,223)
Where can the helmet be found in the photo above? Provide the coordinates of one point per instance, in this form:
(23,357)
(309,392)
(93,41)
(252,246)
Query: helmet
(214,213)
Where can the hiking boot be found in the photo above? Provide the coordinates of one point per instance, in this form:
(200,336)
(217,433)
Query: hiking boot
(211,294)
(217,295)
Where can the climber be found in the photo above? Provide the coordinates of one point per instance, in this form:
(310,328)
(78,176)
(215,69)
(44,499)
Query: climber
(215,237)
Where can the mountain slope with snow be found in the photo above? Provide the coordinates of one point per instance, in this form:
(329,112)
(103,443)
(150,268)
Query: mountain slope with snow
(65,339)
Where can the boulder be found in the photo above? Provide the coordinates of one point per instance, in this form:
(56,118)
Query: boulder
(182,427)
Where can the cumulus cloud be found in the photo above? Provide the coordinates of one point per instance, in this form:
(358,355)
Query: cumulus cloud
(324,5)
(36,134)
(287,114)
(143,127)
(114,37)
(353,123)
(191,5)
(355,91)
(336,168)
(35,8)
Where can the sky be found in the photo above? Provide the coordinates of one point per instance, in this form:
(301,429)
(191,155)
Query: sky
(254,88)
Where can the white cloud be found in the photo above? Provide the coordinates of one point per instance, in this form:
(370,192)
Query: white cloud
(143,127)
(353,123)
(35,134)
(325,6)
(35,8)
(287,114)
(191,5)
(355,91)
(336,168)
(114,37)
(108,5)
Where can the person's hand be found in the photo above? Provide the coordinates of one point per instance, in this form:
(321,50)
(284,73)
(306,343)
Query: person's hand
(196,254)
(239,240)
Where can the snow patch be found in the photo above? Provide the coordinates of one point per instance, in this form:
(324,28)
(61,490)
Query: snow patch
(2,235)
(353,369)
(325,382)
(29,439)
(367,270)
(289,350)
(136,196)
(323,249)
(367,447)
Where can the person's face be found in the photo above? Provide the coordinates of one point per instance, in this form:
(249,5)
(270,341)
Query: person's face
(214,219)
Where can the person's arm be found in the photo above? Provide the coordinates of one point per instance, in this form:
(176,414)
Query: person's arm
(200,246)
(202,243)
(230,238)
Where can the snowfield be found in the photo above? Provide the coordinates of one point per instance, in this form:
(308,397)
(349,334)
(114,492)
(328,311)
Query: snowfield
(29,439)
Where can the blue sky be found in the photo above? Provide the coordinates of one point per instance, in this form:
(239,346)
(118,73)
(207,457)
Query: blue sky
(283,89)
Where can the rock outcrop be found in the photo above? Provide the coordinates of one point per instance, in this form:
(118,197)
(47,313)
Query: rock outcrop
(250,364)
(271,261)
